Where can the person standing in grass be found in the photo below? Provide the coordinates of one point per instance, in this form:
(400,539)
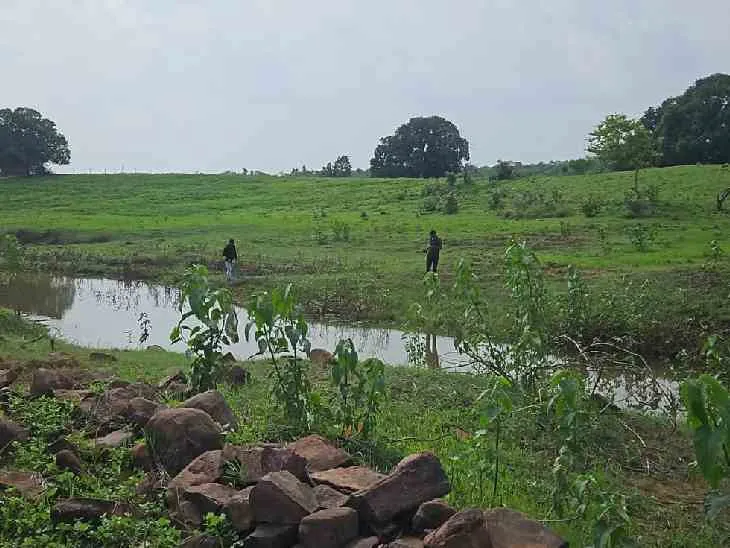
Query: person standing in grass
(230,256)
(433,249)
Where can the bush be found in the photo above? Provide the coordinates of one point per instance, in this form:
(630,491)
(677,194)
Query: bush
(451,205)
(430,204)
(591,206)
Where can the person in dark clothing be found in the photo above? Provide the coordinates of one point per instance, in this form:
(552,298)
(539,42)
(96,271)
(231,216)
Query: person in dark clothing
(432,252)
(230,256)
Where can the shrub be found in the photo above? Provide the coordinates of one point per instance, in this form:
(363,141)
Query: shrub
(591,206)
(451,205)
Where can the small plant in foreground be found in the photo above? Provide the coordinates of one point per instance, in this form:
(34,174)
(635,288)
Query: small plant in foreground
(216,325)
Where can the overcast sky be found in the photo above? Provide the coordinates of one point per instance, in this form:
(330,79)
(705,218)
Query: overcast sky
(211,85)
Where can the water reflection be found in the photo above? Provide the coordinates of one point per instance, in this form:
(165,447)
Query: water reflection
(38,295)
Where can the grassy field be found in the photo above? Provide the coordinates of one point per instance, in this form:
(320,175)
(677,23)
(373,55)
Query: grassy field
(646,459)
(353,247)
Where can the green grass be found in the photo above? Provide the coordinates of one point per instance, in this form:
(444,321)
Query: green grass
(152,226)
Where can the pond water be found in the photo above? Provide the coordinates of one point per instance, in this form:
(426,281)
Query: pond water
(104,313)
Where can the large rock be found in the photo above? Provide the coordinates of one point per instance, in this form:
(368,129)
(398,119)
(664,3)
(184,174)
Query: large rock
(68,460)
(431,515)
(10,432)
(177,436)
(140,410)
(320,356)
(466,529)
(28,484)
(239,511)
(267,535)
(45,381)
(206,468)
(348,480)
(281,498)
(331,528)
(213,403)
(415,480)
(141,457)
(75,509)
(115,439)
(111,407)
(510,529)
(327,497)
(320,453)
(258,460)
(208,498)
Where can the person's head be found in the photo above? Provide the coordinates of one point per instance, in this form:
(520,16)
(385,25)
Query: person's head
(230,241)
(433,233)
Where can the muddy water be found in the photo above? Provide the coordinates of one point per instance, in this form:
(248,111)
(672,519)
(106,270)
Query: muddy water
(103,313)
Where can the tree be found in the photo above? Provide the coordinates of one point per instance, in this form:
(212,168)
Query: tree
(423,147)
(342,167)
(624,144)
(28,142)
(694,127)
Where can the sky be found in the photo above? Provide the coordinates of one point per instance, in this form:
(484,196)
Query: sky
(215,85)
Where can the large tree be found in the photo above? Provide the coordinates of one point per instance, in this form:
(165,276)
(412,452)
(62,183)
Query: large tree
(694,127)
(424,147)
(28,142)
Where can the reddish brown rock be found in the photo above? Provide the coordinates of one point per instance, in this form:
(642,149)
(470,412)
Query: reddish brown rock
(466,529)
(415,480)
(327,497)
(213,403)
(206,468)
(320,356)
(281,498)
(68,460)
(259,460)
(431,515)
(239,511)
(111,407)
(348,480)
(86,509)
(10,432)
(510,529)
(331,528)
(28,484)
(115,439)
(320,454)
(140,410)
(141,457)
(267,535)
(210,497)
(45,381)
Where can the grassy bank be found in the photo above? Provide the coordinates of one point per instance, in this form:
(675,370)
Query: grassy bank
(353,246)
(648,460)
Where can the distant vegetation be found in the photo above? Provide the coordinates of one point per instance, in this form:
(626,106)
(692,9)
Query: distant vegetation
(28,142)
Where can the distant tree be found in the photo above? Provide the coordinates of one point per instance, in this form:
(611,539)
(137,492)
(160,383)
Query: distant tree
(624,144)
(423,147)
(505,170)
(342,167)
(28,142)
(694,127)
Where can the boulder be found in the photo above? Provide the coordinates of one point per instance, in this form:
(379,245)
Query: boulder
(239,511)
(213,403)
(281,498)
(348,480)
(141,457)
(28,484)
(410,542)
(206,468)
(368,542)
(140,410)
(238,376)
(209,498)
(111,407)
(267,535)
(177,436)
(68,460)
(115,439)
(320,356)
(328,497)
(415,480)
(7,377)
(258,460)
(45,381)
(320,453)
(331,528)
(431,515)
(87,509)
(10,432)
(510,529)
(465,529)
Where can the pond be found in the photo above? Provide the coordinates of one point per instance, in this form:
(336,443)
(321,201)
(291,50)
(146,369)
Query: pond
(103,313)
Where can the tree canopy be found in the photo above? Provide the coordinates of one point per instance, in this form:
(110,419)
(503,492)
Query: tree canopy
(423,147)
(622,143)
(694,127)
(28,142)
(341,168)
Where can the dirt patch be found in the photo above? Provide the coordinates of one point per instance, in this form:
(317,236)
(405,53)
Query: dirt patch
(60,237)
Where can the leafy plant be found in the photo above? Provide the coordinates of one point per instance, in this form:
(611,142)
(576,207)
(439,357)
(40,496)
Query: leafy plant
(215,324)
(340,231)
(451,204)
(641,236)
(359,390)
(591,206)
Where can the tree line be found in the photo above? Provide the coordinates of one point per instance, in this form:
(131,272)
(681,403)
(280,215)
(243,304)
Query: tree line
(691,128)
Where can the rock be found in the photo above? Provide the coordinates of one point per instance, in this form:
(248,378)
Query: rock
(465,529)
(177,377)
(62,360)
(177,436)
(62,444)
(150,485)
(102,357)
(68,460)
(431,515)
(412,542)
(74,509)
(10,432)
(116,439)
(111,407)
(320,453)
(45,381)
(328,497)
(75,396)
(206,468)
(510,529)
(118,383)
(320,356)
(348,480)
(281,498)
(177,390)
(369,542)
(213,403)
(331,528)
(209,497)
(200,541)
(259,460)
(239,511)
(140,410)
(268,535)
(141,457)
(7,377)
(415,480)
(238,376)
(28,484)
